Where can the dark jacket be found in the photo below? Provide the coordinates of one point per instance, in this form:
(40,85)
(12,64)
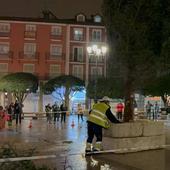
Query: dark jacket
(17,108)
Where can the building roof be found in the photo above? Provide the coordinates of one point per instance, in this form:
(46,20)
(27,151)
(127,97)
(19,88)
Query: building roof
(52,20)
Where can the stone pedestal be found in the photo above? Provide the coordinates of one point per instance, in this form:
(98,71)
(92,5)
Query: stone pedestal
(136,136)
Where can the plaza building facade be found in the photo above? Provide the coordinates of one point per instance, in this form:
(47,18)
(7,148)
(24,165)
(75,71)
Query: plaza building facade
(49,47)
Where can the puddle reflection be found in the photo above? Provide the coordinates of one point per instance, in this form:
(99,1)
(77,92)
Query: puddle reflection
(97,164)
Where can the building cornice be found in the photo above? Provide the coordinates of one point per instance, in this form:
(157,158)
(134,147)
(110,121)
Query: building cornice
(43,21)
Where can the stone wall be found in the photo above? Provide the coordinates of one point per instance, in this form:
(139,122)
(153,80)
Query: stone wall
(136,136)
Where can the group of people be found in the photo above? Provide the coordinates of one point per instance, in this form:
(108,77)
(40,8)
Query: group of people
(56,112)
(152,110)
(10,112)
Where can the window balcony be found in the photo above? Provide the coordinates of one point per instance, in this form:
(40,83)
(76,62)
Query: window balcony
(78,37)
(29,56)
(96,39)
(99,60)
(79,59)
(4,34)
(56,37)
(8,56)
(30,34)
(54,57)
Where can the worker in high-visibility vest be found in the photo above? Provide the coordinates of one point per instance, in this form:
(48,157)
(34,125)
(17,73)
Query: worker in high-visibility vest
(99,118)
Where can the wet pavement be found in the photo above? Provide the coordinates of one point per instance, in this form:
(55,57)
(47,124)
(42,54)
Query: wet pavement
(67,142)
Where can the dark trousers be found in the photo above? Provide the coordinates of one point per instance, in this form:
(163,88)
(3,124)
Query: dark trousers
(63,116)
(18,116)
(119,115)
(94,130)
(80,115)
(56,115)
(148,112)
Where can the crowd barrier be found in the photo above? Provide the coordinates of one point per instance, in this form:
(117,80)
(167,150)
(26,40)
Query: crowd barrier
(37,115)
(43,114)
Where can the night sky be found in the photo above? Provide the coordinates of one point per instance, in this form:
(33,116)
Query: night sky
(61,8)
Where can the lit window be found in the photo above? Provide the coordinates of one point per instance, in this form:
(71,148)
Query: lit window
(78,34)
(97,18)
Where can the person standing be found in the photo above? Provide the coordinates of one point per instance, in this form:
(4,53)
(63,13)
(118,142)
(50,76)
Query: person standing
(63,109)
(156,110)
(48,113)
(98,119)
(148,109)
(80,112)
(17,111)
(10,114)
(119,110)
(56,113)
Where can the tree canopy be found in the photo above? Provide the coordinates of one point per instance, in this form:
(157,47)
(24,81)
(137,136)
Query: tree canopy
(19,84)
(69,82)
(105,87)
(137,32)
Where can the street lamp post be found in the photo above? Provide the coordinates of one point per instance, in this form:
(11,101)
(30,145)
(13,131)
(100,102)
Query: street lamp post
(96,51)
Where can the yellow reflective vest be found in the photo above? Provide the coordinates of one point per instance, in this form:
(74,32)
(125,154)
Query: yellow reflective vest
(98,115)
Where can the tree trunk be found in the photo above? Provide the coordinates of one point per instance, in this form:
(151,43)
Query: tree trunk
(129,102)
(40,100)
(164,98)
(67,101)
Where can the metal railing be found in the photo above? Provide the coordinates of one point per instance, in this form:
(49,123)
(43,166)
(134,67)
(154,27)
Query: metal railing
(79,59)
(30,34)
(28,56)
(6,56)
(55,36)
(5,34)
(54,57)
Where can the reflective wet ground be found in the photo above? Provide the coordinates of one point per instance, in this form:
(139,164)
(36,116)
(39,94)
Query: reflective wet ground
(66,142)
